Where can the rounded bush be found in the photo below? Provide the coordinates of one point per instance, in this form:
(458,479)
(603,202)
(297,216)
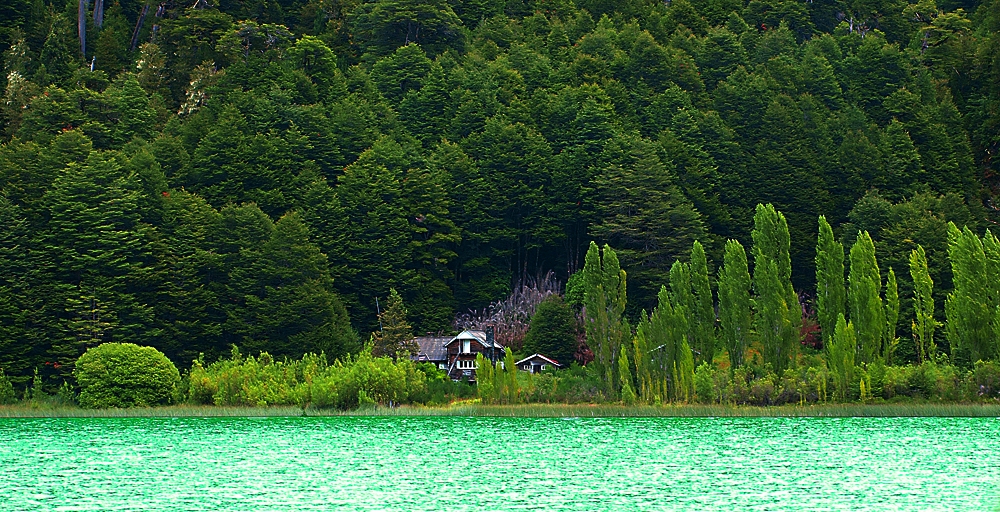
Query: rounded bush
(125,375)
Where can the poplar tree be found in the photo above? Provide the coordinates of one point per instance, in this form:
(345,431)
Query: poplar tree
(971,318)
(923,304)
(778,314)
(511,390)
(735,302)
(670,360)
(484,379)
(625,373)
(891,316)
(843,345)
(704,305)
(830,291)
(867,313)
(604,303)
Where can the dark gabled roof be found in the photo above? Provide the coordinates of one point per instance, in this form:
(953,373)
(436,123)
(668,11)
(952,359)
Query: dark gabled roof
(541,357)
(479,336)
(431,348)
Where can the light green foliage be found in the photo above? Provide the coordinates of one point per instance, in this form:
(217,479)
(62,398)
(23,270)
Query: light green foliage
(970,310)
(604,303)
(891,316)
(843,346)
(830,290)
(625,373)
(310,381)
(485,383)
(867,312)
(125,375)
(735,303)
(704,305)
(923,305)
(777,307)
(395,336)
(511,389)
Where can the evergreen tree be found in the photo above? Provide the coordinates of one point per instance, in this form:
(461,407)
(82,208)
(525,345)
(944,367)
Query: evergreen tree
(923,304)
(777,314)
(867,312)
(553,331)
(830,291)
(395,335)
(735,303)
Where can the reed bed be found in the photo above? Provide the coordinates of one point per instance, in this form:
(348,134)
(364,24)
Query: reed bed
(531,411)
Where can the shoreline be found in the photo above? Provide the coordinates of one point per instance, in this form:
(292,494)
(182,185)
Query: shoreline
(876,410)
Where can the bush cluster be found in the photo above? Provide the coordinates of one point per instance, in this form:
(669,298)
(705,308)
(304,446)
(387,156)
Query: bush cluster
(312,382)
(125,375)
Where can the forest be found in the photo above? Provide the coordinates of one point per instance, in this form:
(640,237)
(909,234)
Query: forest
(198,175)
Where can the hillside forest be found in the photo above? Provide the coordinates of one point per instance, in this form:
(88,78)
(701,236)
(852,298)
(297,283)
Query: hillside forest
(198,174)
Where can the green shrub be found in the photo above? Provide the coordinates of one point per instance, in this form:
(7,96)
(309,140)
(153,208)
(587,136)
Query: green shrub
(985,380)
(125,375)
(7,395)
(704,388)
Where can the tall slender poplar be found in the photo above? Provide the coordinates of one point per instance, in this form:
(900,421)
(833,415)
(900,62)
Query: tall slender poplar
(604,305)
(843,345)
(867,313)
(830,291)
(971,317)
(777,314)
(923,305)
(704,305)
(891,317)
(734,302)
(625,374)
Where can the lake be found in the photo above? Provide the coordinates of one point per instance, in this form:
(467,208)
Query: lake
(453,464)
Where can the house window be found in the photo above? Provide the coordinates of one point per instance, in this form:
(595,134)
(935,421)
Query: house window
(442,366)
(543,366)
(466,365)
(525,366)
(466,346)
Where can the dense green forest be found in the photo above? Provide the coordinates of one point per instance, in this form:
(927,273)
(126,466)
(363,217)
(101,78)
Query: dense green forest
(201,174)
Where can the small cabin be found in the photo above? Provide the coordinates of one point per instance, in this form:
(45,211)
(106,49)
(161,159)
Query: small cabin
(430,349)
(462,350)
(535,363)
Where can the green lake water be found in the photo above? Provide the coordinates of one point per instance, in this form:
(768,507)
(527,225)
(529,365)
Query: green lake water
(453,464)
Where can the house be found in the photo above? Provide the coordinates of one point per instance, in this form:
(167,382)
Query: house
(535,363)
(430,349)
(462,350)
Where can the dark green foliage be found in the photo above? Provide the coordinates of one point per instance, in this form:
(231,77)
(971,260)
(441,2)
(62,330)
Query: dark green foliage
(125,375)
(453,150)
(553,331)
(7,395)
(395,336)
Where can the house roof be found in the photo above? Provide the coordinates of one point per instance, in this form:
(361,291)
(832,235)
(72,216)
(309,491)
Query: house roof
(479,336)
(539,358)
(431,348)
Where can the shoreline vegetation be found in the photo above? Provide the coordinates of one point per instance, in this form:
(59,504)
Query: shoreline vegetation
(474,409)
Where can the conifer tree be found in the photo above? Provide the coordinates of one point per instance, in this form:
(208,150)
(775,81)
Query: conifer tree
(735,302)
(395,337)
(867,312)
(777,314)
(923,304)
(830,291)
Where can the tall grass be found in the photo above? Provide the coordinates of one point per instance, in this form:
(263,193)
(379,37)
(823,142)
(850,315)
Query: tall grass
(532,411)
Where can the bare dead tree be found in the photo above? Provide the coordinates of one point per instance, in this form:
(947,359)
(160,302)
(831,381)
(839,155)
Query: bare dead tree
(511,317)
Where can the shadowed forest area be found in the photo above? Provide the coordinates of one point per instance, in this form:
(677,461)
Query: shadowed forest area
(196,175)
